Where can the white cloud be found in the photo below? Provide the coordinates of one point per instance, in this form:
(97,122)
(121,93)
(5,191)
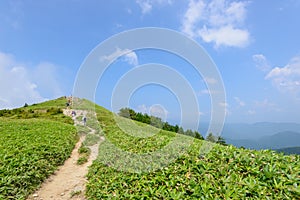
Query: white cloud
(19,84)
(142,109)
(131,58)
(287,78)
(205,91)
(210,80)
(251,112)
(201,113)
(223,12)
(192,16)
(225,106)
(45,76)
(227,36)
(266,105)
(128,56)
(210,92)
(261,62)
(14,15)
(156,110)
(5,60)
(217,21)
(147,5)
(239,102)
(129,11)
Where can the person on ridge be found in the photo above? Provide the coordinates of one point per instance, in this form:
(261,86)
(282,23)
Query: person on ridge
(73,113)
(84,120)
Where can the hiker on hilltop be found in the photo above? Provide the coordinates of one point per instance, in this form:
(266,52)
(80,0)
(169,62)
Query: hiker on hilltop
(69,102)
(73,113)
(84,120)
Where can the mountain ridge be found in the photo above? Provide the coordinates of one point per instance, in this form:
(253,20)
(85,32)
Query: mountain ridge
(279,140)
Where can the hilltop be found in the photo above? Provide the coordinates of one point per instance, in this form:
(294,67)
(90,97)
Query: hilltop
(136,160)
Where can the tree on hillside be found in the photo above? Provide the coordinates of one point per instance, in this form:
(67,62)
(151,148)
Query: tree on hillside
(124,112)
(139,117)
(211,137)
(167,127)
(127,112)
(156,122)
(189,132)
(217,139)
(146,119)
(180,130)
(198,135)
(175,128)
(221,141)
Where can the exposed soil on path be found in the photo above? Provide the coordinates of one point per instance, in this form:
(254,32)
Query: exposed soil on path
(69,181)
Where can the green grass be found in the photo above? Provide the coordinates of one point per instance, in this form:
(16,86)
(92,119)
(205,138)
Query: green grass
(84,153)
(82,130)
(30,150)
(91,139)
(35,140)
(82,159)
(50,110)
(225,172)
(75,193)
(128,155)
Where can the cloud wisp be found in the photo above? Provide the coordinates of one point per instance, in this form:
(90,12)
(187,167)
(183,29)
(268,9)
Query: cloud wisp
(127,55)
(261,62)
(287,78)
(156,110)
(239,102)
(147,5)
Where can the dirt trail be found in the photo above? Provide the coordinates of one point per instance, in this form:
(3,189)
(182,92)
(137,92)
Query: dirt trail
(69,181)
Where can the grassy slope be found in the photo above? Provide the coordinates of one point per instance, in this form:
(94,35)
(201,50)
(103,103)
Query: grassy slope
(223,173)
(50,110)
(34,141)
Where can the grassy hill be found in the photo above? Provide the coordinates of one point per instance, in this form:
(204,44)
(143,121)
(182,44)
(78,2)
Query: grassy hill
(140,162)
(222,173)
(34,141)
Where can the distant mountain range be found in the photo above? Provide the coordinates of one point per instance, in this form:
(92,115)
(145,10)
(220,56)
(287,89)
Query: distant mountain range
(290,150)
(257,130)
(277,141)
(262,135)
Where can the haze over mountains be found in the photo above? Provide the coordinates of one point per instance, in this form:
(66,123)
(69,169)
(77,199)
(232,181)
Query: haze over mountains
(262,135)
(277,141)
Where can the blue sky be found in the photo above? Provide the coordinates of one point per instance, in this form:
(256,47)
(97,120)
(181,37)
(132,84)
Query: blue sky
(255,45)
